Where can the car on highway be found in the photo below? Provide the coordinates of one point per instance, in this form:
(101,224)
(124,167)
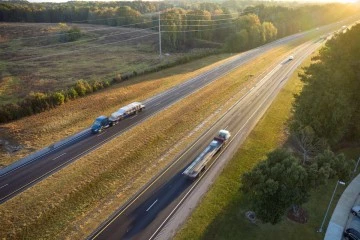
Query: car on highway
(356,211)
(291,57)
(353,230)
(351,234)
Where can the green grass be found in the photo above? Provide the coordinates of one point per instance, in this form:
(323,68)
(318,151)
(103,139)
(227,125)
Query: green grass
(221,213)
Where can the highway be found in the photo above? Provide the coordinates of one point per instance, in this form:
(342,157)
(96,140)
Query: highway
(146,214)
(26,175)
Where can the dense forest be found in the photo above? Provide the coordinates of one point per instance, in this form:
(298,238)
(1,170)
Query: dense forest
(330,102)
(182,24)
(326,117)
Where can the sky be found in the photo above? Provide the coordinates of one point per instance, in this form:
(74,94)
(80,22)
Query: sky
(61,1)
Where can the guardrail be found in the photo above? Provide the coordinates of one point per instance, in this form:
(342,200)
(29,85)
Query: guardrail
(43,152)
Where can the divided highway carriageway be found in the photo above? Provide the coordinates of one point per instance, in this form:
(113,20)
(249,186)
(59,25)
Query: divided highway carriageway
(19,178)
(145,216)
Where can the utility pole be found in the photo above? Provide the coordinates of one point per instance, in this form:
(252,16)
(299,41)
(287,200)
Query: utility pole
(357,164)
(160,52)
(327,210)
(355,169)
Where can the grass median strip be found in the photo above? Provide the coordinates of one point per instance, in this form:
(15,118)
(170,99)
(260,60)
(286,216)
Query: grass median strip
(81,196)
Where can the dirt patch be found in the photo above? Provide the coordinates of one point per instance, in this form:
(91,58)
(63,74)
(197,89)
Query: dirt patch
(8,146)
(300,217)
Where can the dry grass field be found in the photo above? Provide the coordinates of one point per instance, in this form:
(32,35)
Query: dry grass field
(40,130)
(32,57)
(57,205)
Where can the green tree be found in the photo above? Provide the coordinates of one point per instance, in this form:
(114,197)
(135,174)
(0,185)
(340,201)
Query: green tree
(275,185)
(269,31)
(327,165)
(306,141)
(329,102)
(237,42)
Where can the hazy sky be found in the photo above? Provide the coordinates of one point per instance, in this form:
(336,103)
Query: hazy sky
(59,1)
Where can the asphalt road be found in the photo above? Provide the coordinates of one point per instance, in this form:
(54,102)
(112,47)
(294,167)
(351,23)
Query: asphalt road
(146,214)
(21,178)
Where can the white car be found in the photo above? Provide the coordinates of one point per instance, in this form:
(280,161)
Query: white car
(291,58)
(356,211)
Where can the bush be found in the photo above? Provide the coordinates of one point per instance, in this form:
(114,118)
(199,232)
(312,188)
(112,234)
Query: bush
(82,87)
(72,93)
(96,85)
(70,35)
(57,98)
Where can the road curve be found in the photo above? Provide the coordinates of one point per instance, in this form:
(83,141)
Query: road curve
(148,212)
(21,178)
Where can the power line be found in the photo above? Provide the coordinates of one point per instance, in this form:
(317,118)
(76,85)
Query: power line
(198,25)
(94,30)
(127,25)
(77,50)
(86,40)
(224,14)
(202,15)
(142,15)
(197,30)
(198,20)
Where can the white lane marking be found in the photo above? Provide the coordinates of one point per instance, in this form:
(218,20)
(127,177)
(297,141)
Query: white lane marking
(59,156)
(42,155)
(127,205)
(99,134)
(133,116)
(226,127)
(151,205)
(226,146)
(4,185)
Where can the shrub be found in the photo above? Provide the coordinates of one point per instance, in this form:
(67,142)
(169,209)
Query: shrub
(71,35)
(81,87)
(72,93)
(57,98)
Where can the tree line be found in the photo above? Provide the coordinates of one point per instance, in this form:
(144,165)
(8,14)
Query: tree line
(39,102)
(326,114)
(188,22)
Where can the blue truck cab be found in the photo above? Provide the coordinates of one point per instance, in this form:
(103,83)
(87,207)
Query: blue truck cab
(99,124)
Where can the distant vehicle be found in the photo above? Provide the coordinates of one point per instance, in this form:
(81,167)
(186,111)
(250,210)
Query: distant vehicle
(99,124)
(356,211)
(199,164)
(351,234)
(103,122)
(291,57)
